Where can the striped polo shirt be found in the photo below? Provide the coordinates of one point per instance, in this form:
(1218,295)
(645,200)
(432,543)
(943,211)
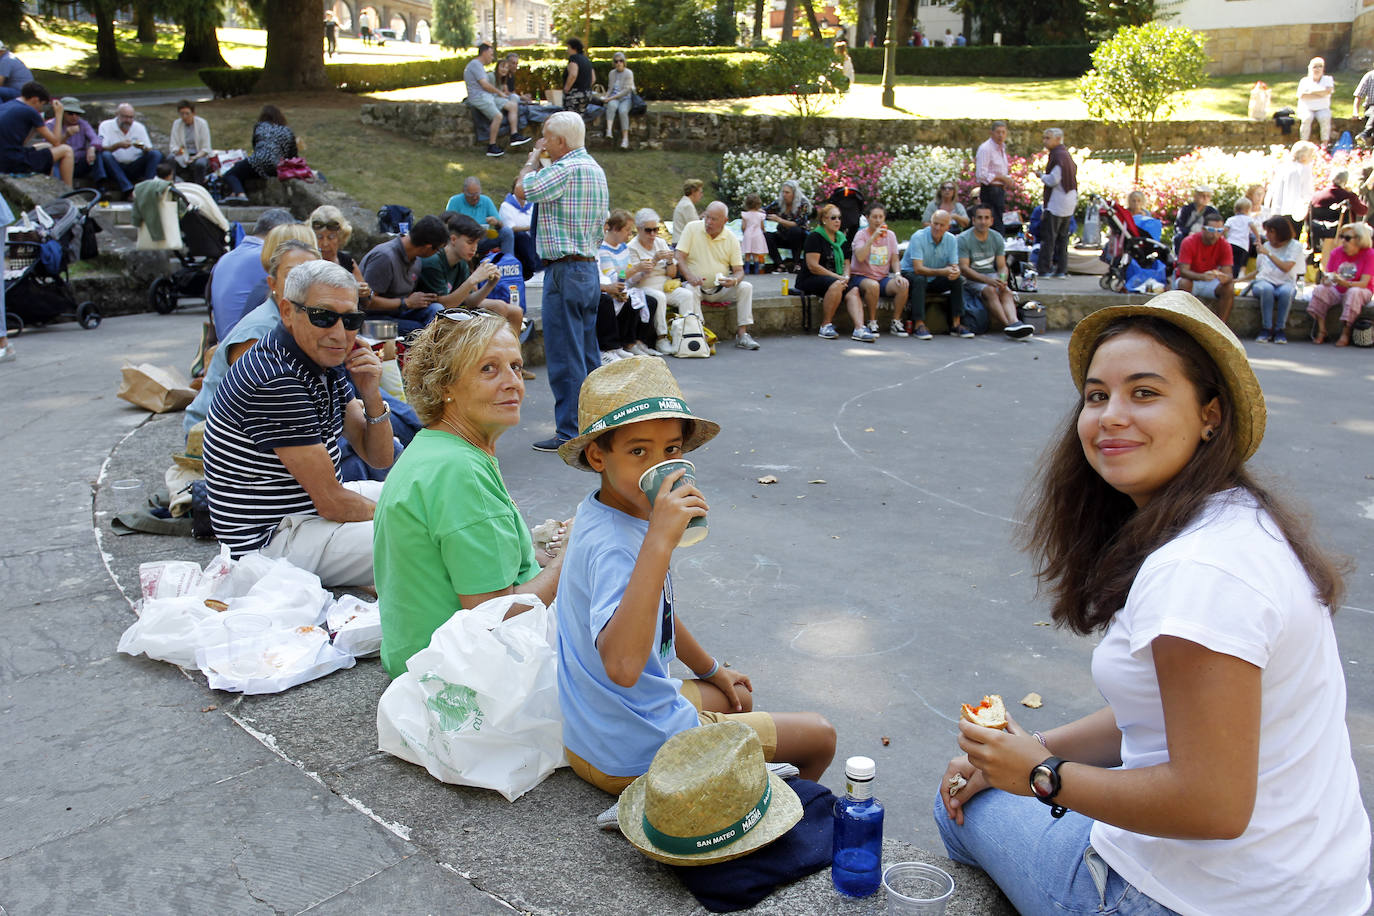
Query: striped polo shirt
(273,397)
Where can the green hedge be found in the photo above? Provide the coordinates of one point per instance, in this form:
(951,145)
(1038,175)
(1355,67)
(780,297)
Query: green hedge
(981,60)
(698,77)
(546,52)
(348,77)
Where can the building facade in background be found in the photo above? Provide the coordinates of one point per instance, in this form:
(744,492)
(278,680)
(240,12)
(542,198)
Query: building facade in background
(1266,36)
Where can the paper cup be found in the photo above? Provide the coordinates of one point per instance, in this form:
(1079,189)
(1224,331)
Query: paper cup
(916,889)
(244,642)
(556,97)
(650,482)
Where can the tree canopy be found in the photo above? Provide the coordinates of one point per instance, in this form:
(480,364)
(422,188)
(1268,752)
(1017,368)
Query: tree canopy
(1139,75)
(454,23)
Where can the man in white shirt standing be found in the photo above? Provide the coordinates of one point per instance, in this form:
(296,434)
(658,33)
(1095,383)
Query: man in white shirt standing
(128,140)
(992,170)
(1061,199)
(1314,100)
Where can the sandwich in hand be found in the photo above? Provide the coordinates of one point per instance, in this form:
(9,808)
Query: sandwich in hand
(991,713)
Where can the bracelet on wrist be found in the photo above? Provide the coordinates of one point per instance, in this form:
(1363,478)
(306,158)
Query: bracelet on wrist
(373,421)
(715,667)
(1041,738)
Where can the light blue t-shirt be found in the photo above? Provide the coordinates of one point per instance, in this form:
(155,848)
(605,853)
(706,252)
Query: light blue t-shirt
(458,203)
(256,325)
(236,275)
(921,246)
(615,729)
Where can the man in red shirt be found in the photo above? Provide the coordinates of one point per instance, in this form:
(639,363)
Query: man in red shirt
(1204,266)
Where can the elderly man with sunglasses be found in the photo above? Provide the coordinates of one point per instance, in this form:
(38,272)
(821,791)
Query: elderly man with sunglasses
(272,435)
(1204,265)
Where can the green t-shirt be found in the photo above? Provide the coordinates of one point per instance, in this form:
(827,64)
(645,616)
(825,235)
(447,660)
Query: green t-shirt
(982,256)
(445,526)
(440,277)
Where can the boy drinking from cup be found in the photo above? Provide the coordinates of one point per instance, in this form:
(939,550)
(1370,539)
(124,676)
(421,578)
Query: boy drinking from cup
(618,628)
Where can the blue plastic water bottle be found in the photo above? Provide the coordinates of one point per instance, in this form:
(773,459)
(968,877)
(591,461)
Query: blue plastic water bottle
(856,867)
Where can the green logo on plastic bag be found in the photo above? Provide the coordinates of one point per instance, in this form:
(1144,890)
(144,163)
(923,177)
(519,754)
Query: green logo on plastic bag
(455,705)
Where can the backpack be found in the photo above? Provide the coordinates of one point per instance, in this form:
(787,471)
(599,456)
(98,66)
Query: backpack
(511,287)
(395,219)
(687,338)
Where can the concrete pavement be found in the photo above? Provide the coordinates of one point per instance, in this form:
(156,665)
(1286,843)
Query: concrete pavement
(882,597)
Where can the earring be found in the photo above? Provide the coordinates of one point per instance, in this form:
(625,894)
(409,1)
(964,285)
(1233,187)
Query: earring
(1207,434)
(448,400)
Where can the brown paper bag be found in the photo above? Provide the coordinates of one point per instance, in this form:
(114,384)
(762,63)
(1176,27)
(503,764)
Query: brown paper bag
(154,388)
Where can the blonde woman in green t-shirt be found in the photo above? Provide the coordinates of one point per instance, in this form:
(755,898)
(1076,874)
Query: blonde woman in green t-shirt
(447,536)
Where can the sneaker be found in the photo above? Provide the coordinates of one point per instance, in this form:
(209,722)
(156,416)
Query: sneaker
(1264,336)
(922,333)
(638,349)
(1280,337)
(897,330)
(622,353)
(863,335)
(548,445)
(519,139)
(7,353)
(828,332)
(1018,331)
(873,326)
(608,357)
(959,331)
(494,151)
(664,345)
(1061,276)
(745,342)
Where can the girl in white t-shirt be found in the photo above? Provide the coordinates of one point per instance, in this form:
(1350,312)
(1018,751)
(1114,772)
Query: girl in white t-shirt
(1218,779)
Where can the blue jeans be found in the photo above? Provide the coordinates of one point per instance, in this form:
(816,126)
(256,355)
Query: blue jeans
(1268,294)
(136,170)
(572,290)
(1044,865)
(408,320)
(101,169)
(505,240)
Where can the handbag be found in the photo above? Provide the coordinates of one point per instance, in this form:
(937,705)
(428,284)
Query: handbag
(294,167)
(637,104)
(1362,333)
(201,528)
(687,339)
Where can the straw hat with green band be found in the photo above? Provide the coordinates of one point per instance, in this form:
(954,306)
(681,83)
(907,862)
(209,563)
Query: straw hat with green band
(708,797)
(630,391)
(1186,312)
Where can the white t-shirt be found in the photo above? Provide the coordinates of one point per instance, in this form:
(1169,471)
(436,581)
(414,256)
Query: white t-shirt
(1238,230)
(1231,583)
(1306,85)
(1268,270)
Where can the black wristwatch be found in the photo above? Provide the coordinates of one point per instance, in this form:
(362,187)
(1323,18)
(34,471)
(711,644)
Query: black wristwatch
(1044,784)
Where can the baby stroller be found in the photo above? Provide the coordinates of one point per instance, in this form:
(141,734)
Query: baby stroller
(204,240)
(38,252)
(1132,254)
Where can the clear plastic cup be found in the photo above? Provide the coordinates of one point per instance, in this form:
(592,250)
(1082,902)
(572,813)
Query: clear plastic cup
(916,889)
(128,494)
(243,642)
(652,479)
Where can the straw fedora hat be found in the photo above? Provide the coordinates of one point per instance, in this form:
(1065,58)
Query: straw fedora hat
(193,458)
(708,797)
(629,391)
(1183,310)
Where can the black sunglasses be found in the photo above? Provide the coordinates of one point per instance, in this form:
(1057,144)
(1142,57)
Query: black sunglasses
(319,225)
(327,318)
(1347,238)
(648,228)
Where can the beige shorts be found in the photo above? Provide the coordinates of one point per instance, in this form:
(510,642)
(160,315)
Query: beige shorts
(760,722)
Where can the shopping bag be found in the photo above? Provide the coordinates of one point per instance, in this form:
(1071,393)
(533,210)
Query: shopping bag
(479,706)
(154,388)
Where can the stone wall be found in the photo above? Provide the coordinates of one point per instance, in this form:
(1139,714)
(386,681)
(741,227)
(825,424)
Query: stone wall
(663,129)
(1362,35)
(1285,47)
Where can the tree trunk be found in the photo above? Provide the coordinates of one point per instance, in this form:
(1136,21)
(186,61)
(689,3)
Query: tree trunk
(106,50)
(880,14)
(295,48)
(906,13)
(864,29)
(200,45)
(811,19)
(789,15)
(968,24)
(143,19)
(758,20)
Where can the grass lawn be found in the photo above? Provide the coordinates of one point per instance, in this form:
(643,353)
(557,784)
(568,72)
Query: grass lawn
(378,167)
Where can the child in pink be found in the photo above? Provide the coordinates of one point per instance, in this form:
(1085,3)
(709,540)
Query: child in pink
(755,246)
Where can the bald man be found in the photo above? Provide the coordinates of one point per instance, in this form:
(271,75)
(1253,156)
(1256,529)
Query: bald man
(135,158)
(472,202)
(711,266)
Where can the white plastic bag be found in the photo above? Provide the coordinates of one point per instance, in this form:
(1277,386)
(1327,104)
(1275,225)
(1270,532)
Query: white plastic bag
(1260,96)
(277,660)
(171,629)
(479,707)
(356,626)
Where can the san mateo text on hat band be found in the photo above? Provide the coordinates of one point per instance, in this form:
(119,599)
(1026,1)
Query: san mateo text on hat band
(690,845)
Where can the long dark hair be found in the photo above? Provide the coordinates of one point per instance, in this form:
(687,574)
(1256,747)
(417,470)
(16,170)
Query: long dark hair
(1089,540)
